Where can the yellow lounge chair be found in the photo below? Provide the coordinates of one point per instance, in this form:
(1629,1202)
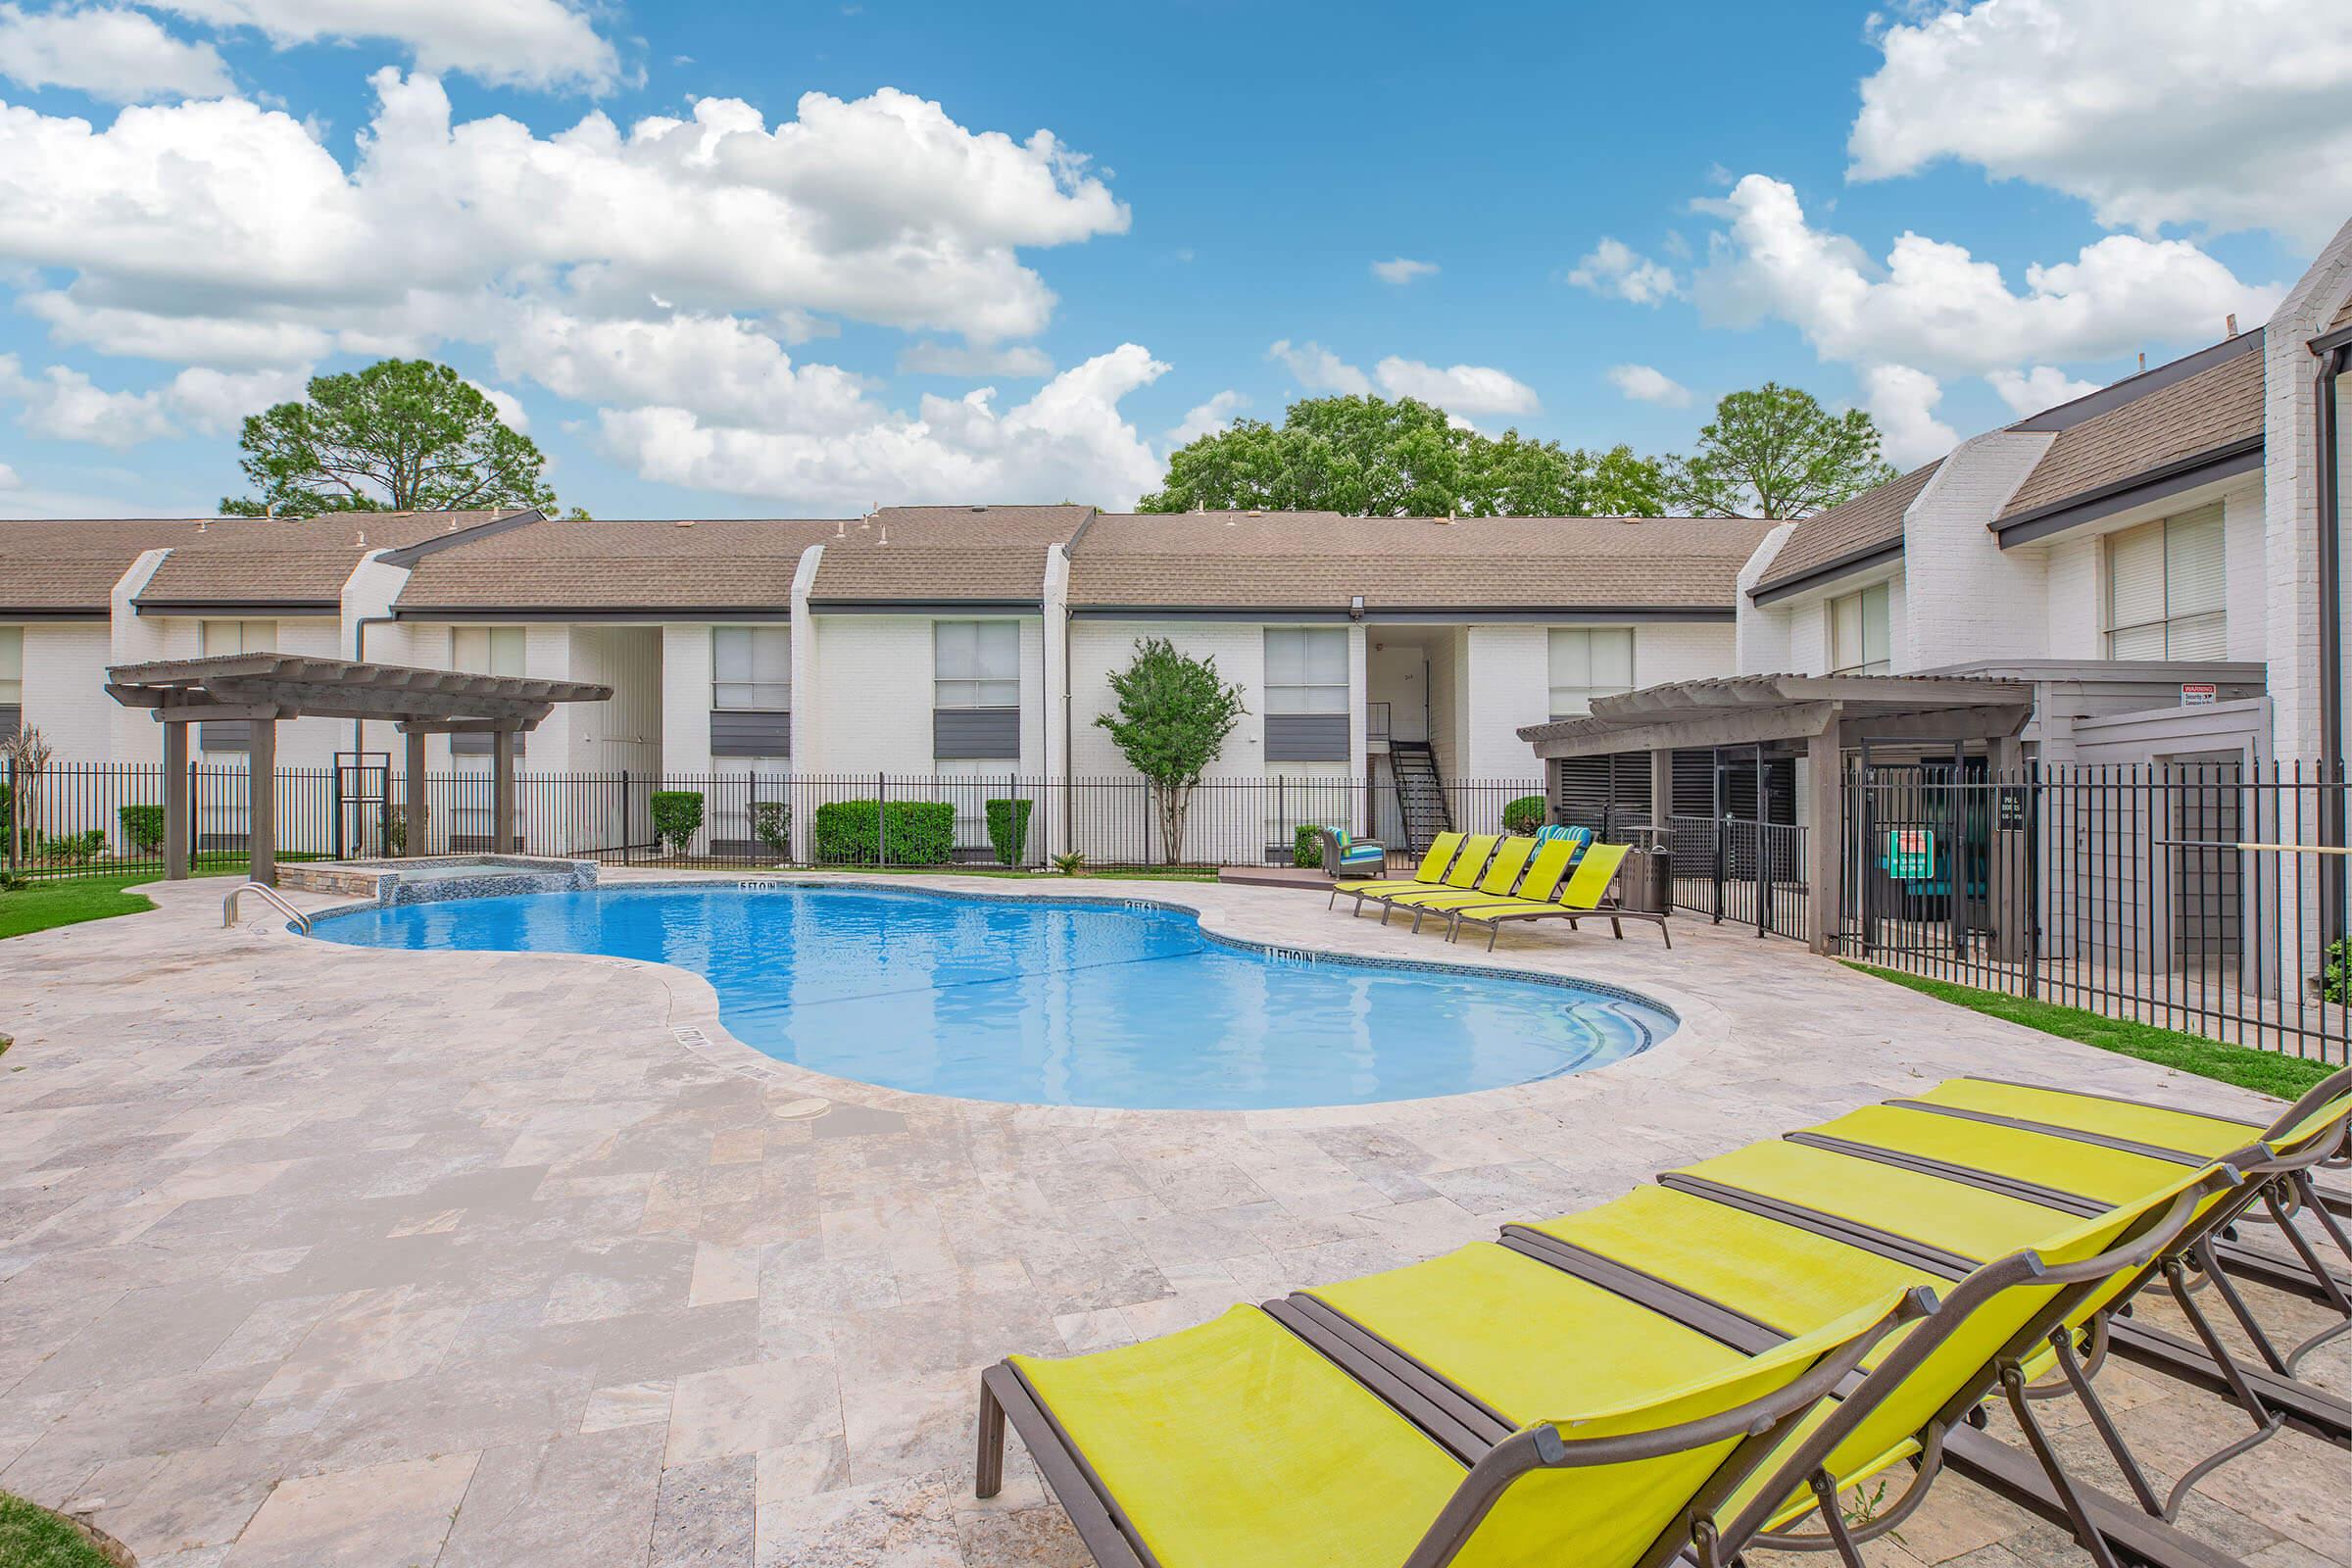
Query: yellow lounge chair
(1238,1444)
(1428,873)
(1477,849)
(1502,875)
(1503,1328)
(1582,897)
(1882,1178)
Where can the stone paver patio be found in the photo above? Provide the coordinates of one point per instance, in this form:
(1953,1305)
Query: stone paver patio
(312,1254)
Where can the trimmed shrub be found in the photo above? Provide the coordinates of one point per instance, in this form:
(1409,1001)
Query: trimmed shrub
(1306,845)
(1523,815)
(771,825)
(143,826)
(870,833)
(1008,829)
(2336,986)
(74,848)
(677,817)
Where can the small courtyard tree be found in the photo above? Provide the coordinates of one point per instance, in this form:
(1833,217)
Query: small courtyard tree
(1174,712)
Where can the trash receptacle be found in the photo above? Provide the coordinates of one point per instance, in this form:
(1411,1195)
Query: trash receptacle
(1641,883)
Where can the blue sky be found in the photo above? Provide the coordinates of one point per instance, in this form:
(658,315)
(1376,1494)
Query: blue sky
(1619,213)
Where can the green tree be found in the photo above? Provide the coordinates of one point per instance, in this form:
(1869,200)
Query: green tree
(1174,712)
(1777,453)
(1368,457)
(400,435)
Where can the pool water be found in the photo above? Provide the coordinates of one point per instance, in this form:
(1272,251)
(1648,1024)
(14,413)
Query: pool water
(1050,1002)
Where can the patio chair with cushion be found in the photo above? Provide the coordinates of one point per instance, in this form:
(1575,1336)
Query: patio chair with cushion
(1345,856)
(1428,873)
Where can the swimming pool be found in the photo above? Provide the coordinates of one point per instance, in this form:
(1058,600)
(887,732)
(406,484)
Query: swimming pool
(1051,1001)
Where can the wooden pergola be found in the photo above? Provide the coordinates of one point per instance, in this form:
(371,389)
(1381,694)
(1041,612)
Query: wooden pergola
(259,689)
(1817,717)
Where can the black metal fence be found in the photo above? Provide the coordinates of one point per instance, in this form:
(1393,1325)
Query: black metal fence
(80,820)
(2201,896)
(1735,871)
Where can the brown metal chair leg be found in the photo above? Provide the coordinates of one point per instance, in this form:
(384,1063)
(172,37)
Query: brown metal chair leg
(2087,1533)
(2125,1460)
(989,1473)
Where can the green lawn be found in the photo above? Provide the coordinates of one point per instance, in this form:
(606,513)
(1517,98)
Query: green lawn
(35,1538)
(2269,1072)
(45,903)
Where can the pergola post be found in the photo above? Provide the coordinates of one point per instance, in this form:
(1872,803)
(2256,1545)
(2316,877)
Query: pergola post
(176,803)
(1824,837)
(503,837)
(261,801)
(1661,795)
(413,828)
(2005,881)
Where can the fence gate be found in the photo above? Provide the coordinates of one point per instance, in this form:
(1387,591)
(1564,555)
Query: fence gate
(363,804)
(1920,859)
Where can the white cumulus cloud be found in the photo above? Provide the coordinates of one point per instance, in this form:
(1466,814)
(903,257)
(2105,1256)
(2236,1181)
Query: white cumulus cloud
(1903,401)
(64,404)
(1318,370)
(2041,387)
(113,53)
(1645,383)
(1207,419)
(1934,307)
(1068,440)
(1022,360)
(1460,389)
(221,212)
(2154,112)
(525,44)
(1403,270)
(1464,389)
(1616,271)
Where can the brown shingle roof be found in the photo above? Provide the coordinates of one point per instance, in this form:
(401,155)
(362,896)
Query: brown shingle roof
(290,560)
(1321,560)
(70,566)
(717,562)
(1867,523)
(2217,408)
(933,555)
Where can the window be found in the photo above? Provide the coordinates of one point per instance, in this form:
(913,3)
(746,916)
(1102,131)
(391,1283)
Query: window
(751,667)
(1858,632)
(11,679)
(976,664)
(239,637)
(1306,670)
(1588,661)
(2164,589)
(486,650)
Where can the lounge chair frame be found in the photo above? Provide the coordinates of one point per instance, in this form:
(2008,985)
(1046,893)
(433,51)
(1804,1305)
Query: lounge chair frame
(2270,1401)
(1007,1398)
(2200,1247)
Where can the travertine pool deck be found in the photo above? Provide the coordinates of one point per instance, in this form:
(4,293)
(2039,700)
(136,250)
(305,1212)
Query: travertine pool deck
(314,1254)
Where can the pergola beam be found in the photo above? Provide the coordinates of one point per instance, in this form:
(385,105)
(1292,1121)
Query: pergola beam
(263,688)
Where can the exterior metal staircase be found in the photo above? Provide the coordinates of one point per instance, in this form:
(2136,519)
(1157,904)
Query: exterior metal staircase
(1421,803)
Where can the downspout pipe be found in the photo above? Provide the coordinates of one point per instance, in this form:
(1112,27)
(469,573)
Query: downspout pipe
(359,655)
(2329,454)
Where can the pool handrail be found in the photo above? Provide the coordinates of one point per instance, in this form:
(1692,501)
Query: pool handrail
(229,905)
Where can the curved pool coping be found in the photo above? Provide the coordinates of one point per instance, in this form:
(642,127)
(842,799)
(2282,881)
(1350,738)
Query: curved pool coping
(695,1023)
